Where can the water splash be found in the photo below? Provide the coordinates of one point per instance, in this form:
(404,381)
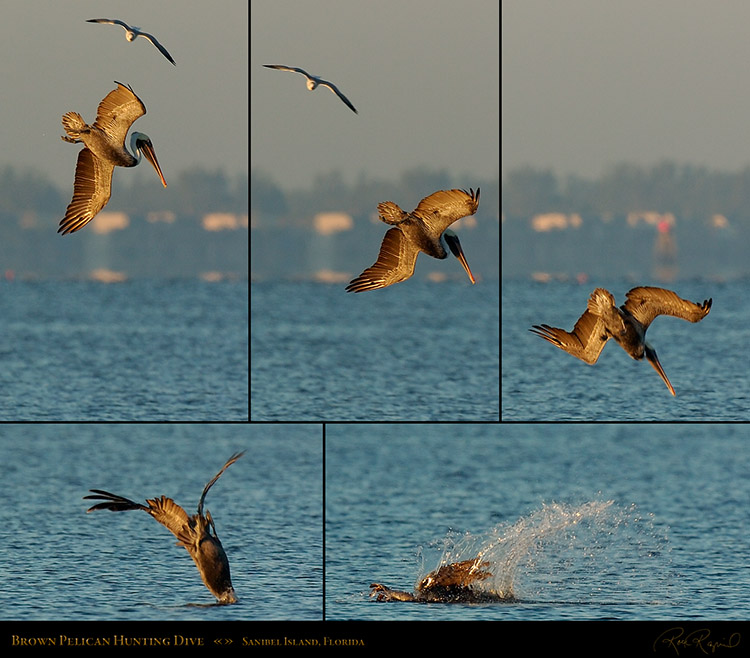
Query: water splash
(590,552)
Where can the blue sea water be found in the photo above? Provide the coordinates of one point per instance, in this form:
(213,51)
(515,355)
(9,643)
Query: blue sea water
(140,350)
(586,522)
(414,351)
(60,563)
(707,362)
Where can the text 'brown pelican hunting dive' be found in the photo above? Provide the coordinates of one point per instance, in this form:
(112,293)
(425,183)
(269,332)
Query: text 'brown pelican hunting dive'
(627,324)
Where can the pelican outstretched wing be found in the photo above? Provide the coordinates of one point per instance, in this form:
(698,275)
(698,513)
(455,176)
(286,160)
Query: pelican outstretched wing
(585,342)
(442,208)
(114,503)
(396,262)
(211,483)
(91,191)
(646,303)
(118,111)
(169,514)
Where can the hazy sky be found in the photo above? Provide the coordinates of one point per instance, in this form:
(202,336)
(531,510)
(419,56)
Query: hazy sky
(53,62)
(423,75)
(587,83)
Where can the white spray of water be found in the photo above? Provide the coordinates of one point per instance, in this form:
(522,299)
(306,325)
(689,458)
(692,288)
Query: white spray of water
(562,550)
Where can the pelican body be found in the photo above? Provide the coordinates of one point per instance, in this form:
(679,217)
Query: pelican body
(104,150)
(132,33)
(196,533)
(313,82)
(627,324)
(421,230)
(451,583)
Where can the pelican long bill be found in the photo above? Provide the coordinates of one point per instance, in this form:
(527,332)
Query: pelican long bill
(654,361)
(148,152)
(454,244)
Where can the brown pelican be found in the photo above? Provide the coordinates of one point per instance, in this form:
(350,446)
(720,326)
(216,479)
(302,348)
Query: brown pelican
(602,320)
(105,149)
(132,32)
(451,583)
(196,533)
(420,230)
(313,82)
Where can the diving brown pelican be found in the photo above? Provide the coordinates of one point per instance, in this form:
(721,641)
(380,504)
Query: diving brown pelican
(451,583)
(602,320)
(420,230)
(196,533)
(131,33)
(314,81)
(105,149)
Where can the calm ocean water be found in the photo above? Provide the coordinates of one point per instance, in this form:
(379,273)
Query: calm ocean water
(415,351)
(59,563)
(141,350)
(707,363)
(587,522)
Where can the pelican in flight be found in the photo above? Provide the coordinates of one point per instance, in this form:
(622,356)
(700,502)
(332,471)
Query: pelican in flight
(196,533)
(314,81)
(132,32)
(627,324)
(105,149)
(420,230)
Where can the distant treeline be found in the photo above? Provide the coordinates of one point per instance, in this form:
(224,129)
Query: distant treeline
(31,208)
(690,192)
(192,192)
(331,193)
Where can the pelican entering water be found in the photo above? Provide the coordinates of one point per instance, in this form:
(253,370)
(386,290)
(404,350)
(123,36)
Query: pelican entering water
(627,324)
(105,149)
(420,230)
(196,533)
(451,583)
(314,81)
(131,33)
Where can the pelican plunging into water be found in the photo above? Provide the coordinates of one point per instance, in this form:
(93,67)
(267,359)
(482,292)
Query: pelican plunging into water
(105,149)
(451,583)
(420,230)
(131,33)
(314,81)
(196,533)
(627,324)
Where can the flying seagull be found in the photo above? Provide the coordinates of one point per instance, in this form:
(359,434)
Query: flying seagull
(196,533)
(314,81)
(627,324)
(420,230)
(132,32)
(105,149)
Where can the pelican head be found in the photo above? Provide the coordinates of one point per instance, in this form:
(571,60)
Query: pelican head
(654,361)
(454,244)
(141,143)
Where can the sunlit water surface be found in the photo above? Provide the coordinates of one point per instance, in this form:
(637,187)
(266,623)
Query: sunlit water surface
(60,563)
(413,351)
(579,522)
(707,362)
(139,350)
